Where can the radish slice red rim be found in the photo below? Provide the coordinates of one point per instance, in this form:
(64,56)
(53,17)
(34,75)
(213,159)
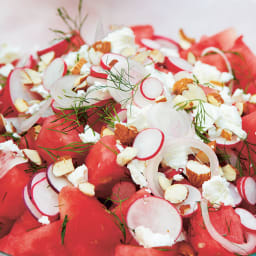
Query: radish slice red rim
(150,44)
(194,197)
(148,143)
(222,142)
(175,64)
(151,88)
(57,183)
(45,198)
(56,70)
(242,249)
(248,220)
(29,204)
(34,179)
(249,190)
(108,60)
(156,215)
(239,184)
(166,42)
(98,72)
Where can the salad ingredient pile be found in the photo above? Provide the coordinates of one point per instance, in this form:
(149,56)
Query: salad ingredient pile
(134,145)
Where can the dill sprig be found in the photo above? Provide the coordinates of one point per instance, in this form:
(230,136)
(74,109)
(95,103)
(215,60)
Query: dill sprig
(63,229)
(34,168)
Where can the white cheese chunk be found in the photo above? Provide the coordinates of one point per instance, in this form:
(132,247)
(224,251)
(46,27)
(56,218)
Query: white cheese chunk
(89,136)
(10,146)
(79,175)
(44,220)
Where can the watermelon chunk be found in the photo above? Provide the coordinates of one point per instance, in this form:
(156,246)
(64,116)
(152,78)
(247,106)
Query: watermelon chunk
(225,221)
(91,229)
(5,226)
(142,31)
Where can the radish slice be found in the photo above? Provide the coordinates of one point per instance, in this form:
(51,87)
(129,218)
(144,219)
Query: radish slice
(122,115)
(56,70)
(62,93)
(108,60)
(248,220)
(31,207)
(45,198)
(242,249)
(148,143)
(223,143)
(194,197)
(239,185)
(166,42)
(27,61)
(151,88)
(98,72)
(175,64)
(34,179)
(249,190)
(92,80)
(235,194)
(57,183)
(150,44)
(157,215)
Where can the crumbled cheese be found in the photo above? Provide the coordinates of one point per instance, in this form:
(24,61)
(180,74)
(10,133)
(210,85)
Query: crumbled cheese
(126,156)
(33,109)
(70,59)
(10,146)
(240,96)
(163,181)
(6,69)
(44,220)
(137,169)
(149,239)
(121,39)
(89,136)
(95,56)
(40,90)
(79,175)
(216,190)
(85,69)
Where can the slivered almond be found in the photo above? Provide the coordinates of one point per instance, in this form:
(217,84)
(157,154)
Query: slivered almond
(185,37)
(87,188)
(25,78)
(34,76)
(125,134)
(202,157)
(141,57)
(160,99)
(217,83)
(77,68)
(215,99)
(191,58)
(105,132)
(157,56)
(126,156)
(62,166)
(181,85)
(36,130)
(240,107)
(197,173)
(103,47)
(45,60)
(230,172)
(253,99)
(81,82)
(181,101)
(226,134)
(33,156)
(163,181)
(21,105)
(176,193)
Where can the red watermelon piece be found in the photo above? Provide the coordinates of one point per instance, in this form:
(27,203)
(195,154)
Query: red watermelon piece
(91,229)
(103,171)
(225,221)
(142,31)
(11,192)
(5,226)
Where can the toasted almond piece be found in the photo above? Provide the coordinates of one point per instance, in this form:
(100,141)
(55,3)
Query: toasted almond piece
(160,99)
(230,172)
(181,101)
(105,132)
(226,134)
(202,157)
(32,156)
(76,69)
(201,245)
(48,57)
(141,57)
(217,83)
(103,47)
(157,56)
(125,134)
(87,188)
(81,82)
(25,78)
(240,107)
(184,208)
(185,41)
(191,58)
(185,37)
(253,99)
(215,99)
(34,76)
(126,156)
(176,193)
(36,130)
(163,181)
(21,105)
(197,173)
(181,85)
(62,166)
(185,249)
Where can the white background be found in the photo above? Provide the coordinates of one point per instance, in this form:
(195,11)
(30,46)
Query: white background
(25,23)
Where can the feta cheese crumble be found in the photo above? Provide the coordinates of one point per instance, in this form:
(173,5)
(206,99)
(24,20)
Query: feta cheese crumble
(44,220)
(79,175)
(10,146)
(89,136)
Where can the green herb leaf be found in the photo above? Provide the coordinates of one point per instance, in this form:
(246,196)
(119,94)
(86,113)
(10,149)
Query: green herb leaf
(63,229)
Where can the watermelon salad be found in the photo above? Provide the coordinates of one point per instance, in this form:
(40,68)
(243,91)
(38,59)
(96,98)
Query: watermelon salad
(133,145)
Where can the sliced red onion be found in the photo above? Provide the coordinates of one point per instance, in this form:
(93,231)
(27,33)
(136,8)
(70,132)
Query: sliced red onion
(108,60)
(214,49)
(248,220)
(31,207)
(56,70)
(57,183)
(156,214)
(242,249)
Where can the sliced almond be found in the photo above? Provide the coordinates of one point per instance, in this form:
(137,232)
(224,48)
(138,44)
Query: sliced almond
(25,78)
(126,156)
(253,99)
(45,60)
(160,99)
(21,105)
(36,130)
(103,47)
(240,107)
(226,134)
(163,181)
(157,56)
(34,76)
(33,156)
(106,132)
(176,193)
(191,58)
(81,82)
(202,157)
(185,41)
(197,173)
(87,188)
(141,57)
(183,102)
(181,85)
(77,68)
(125,134)
(230,172)
(62,166)
(217,83)
(215,99)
